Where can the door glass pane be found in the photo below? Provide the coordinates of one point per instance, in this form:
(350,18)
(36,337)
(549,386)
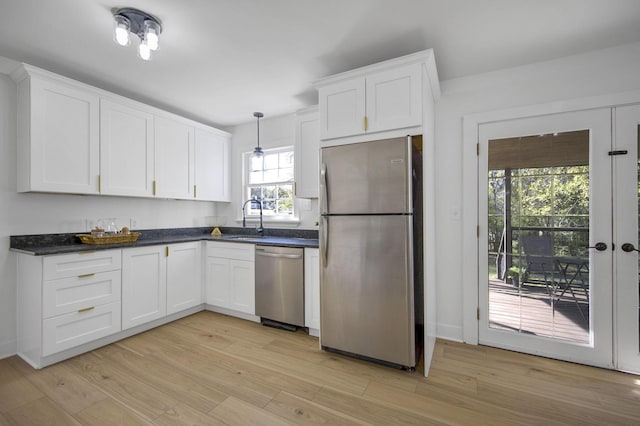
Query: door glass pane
(538,200)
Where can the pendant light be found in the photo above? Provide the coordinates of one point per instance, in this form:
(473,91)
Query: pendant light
(257,151)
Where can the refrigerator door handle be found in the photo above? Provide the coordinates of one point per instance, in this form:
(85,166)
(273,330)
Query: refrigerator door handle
(409,175)
(325,240)
(324,208)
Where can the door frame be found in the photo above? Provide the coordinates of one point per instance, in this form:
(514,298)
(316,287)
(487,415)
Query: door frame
(470,138)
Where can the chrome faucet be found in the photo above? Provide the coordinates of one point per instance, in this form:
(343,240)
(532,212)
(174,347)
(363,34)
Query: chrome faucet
(260,229)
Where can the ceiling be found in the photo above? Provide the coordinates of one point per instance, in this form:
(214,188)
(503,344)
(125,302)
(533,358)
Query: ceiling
(221,60)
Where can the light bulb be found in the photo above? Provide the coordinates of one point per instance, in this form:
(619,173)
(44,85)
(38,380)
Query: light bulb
(143,51)
(151,31)
(121,27)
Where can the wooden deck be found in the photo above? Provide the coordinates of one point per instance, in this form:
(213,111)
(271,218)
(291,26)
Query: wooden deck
(528,308)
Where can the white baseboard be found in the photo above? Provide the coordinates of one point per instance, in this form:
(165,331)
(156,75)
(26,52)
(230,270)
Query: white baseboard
(449,332)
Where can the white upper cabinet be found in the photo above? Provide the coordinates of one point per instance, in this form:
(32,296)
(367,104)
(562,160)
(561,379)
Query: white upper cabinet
(394,99)
(385,99)
(307,153)
(212,174)
(58,134)
(77,139)
(174,151)
(343,108)
(126,150)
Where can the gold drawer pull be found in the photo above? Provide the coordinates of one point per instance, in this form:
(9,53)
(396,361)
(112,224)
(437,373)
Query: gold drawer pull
(86,309)
(85,275)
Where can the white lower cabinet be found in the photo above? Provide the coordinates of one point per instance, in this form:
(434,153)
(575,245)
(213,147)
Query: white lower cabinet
(160,280)
(312,290)
(144,285)
(65,301)
(230,276)
(184,276)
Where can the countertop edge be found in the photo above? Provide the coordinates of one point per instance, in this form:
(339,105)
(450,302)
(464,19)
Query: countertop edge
(78,248)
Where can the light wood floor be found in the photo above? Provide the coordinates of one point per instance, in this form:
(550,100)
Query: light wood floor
(212,369)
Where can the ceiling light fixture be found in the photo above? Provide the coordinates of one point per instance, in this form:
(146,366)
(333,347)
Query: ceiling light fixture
(127,21)
(257,151)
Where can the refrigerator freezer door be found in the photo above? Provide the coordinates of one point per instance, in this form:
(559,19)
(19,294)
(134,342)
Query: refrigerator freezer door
(367,178)
(366,289)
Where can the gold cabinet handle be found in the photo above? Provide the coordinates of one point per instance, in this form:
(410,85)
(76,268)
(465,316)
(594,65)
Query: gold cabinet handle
(99,183)
(86,309)
(167,251)
(195,191)
(155,187)
(365,123)
(85,275)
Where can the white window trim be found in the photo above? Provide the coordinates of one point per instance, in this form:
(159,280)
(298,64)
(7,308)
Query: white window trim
(254,219)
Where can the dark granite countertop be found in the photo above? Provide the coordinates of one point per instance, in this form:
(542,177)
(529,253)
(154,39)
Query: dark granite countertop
(48,244)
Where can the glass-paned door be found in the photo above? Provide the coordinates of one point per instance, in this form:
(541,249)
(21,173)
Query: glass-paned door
(626,165)
(545,208)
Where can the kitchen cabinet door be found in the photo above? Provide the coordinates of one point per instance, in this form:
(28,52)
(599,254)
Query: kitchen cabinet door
(230,276)
(126,150)
(394,99)
(212,173)
(144,285)
(58,135)
(184,278)
(174,159)
(342,109)
(307,153)
(312,290)
(231,284)
(218,279)
(242,286)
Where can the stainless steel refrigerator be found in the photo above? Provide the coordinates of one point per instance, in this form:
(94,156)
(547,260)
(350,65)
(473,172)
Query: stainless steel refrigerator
(366,249)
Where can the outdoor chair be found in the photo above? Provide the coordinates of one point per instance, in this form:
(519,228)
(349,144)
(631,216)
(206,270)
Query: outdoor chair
(539,260)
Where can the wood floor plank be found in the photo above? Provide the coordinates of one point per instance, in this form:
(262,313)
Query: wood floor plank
(40,412)
(317,373)
(62,385)
(301,411)
(183,415)
(120,385)
(108,412)
(237,412)
(15,389)
(177,383)
(370,411)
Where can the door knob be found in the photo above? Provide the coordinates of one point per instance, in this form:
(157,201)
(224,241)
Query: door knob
(599,246)
(628,247)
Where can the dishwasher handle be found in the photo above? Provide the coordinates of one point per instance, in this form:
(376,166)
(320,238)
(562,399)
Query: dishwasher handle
(283,256)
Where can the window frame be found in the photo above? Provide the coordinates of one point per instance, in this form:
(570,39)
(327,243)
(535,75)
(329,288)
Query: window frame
(246,165)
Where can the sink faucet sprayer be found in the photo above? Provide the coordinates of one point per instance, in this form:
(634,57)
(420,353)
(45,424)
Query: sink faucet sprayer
(260,229)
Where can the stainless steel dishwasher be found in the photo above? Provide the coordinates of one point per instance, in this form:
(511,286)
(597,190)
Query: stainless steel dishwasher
(280,286)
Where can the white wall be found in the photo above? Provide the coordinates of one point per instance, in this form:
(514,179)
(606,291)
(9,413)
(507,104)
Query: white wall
(27,213)
(275,132)
(597,73)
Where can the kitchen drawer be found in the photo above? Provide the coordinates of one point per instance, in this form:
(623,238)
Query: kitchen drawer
(70,265)
(76,328)
(238,251)
(71,294)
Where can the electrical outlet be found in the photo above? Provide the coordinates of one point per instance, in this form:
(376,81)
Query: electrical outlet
(134,223)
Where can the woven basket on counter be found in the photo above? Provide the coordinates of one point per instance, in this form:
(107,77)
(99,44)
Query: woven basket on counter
(108,239)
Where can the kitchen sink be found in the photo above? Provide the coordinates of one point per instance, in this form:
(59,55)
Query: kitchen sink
(243,237)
